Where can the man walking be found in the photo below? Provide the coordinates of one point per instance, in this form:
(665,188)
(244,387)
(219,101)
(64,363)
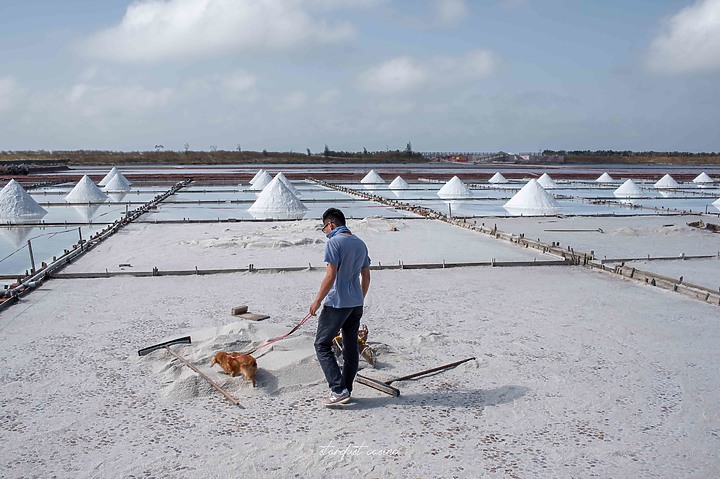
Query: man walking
(342,293)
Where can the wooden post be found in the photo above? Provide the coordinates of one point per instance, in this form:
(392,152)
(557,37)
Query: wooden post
(32,258)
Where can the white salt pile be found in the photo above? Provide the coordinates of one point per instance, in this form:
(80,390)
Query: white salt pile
(498,178)
(15,203)
(257,175)
(547,182)
(628,190)
(117,183)
(667,181)
(605,178)
(399,184)
(261,181)
(372,178)
(106,179)
(86,192)
(716,202)
(276,201)
(287,183)
(533,197)
(454,189)
(703,180)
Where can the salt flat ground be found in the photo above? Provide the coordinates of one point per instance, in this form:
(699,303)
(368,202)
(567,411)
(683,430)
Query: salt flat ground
(577,373)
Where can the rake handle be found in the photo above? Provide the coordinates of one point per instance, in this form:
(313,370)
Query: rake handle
(428,371)
(204,376)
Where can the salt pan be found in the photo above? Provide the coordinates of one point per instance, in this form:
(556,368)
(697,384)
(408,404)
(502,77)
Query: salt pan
(454,189)
(15,203)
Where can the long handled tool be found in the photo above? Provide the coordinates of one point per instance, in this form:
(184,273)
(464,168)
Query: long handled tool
(385,387)
(187,340)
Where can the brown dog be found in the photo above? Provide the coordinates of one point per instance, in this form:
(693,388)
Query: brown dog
(236,363)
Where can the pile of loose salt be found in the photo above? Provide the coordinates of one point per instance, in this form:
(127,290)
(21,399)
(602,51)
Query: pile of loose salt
(628,190)
(15,203)
(372,178)
(533,197)
(86,192)
(454,189)
(278,202)
(498,178)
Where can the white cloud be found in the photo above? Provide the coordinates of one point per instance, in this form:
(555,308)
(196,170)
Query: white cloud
(293,101)
(689,42)
(450,12)
(399,74)
(97,100)
(239,81)
(406,74)
(328,97)
(10,93)
(158,30)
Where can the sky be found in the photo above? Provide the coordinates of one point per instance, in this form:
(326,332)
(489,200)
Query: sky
(292,75)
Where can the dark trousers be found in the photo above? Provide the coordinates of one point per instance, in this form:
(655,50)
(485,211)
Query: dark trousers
(330,323)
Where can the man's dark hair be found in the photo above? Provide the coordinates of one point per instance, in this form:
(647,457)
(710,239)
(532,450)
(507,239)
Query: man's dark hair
(334,215)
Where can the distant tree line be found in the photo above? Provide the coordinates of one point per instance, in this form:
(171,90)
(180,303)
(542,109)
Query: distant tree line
(215,156)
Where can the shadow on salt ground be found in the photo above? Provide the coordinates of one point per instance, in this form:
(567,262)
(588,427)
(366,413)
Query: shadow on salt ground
(474,398)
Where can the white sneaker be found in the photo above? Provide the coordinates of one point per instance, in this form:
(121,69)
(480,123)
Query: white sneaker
(337,398)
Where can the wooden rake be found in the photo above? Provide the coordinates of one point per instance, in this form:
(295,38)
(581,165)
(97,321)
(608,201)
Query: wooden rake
(385,387)
(187,340)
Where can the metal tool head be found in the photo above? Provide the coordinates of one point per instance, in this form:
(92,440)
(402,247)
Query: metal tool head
(150,349)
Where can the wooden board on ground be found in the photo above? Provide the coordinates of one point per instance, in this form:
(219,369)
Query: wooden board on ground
(253,316)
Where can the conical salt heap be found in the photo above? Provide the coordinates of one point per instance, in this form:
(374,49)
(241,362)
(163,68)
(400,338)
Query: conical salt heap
(533,197)
(277,201)
(628,190)
(498,178)
(287,183)
(372,178)
(106,179)
(86,192)
(16,203)
(703,179)
(398,184)
(454,189)
(257,175)
(605,178)
(117,183)
(261,181)
(667,181)
(547,182)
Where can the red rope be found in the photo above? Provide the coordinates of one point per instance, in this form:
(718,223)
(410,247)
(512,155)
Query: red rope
(279,338)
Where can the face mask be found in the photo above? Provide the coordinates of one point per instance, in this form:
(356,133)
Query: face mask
(339,229)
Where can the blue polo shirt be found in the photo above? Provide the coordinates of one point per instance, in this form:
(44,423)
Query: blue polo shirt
(350,255)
